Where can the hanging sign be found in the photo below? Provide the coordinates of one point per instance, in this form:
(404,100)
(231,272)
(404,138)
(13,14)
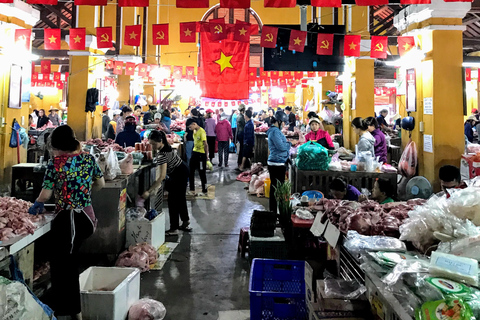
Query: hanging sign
(428,106)
(411,91)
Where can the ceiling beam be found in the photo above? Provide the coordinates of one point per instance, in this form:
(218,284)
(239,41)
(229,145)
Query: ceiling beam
(59,14)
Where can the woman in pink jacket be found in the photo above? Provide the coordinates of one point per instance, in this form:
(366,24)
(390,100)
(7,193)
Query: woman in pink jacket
(318,134)
(223,130)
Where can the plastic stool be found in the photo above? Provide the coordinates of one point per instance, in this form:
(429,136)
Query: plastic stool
(243,241)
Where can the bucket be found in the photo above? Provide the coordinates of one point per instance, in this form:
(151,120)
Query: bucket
(266,186)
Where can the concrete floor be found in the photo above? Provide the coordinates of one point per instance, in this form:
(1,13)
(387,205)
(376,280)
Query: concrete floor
(205,276)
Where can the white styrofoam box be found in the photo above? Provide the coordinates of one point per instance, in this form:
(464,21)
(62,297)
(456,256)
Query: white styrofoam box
(108,293)
(309,293)
(151,232)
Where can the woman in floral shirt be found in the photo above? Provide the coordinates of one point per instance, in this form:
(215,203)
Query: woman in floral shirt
(71,176)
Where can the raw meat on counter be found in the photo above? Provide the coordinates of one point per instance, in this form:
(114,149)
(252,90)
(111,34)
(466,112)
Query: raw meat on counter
(15,219)
(246,176)
(262,128)
(178,125)
(147,309)
(103,146)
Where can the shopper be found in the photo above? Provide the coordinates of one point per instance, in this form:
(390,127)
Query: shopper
(450,178)
(175,173)
(382,192)
(233,121)
(70,176)
(380,146)
(128,137)
(224,134)
(137,113)
(31,124)
(42,119)
(149,116)
(341,190)
(269,117)
(240,129)
(112,126)
(126,112)
(54,117)
(105,120)
(382,123)
(222,114)
(318,134)
(367,141)
(279,148)
(468,128)
(199,158)
(188,137)
(210,124)
(166,120)
(292,120)
(248,140)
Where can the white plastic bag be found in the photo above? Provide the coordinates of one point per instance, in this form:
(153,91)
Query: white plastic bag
(112,167)
(408,162)
(147,309)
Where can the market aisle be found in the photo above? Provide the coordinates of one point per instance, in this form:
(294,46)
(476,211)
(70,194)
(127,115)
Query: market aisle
(205,275)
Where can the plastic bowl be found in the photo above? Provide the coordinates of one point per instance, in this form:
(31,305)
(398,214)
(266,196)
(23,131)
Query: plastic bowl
(313,194)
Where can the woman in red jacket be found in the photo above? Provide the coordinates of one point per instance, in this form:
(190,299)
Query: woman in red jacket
(318,134)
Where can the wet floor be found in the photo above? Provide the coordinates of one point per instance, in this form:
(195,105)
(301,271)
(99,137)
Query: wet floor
(205,275)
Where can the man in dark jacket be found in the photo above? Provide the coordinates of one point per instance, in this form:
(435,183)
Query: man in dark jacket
(149,115)
(292,120)
(248,140)
(240,128)
(128,137)
(105,120)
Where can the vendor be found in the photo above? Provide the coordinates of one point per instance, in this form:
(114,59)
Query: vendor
(126,112)
(71,176)
(450,178)
(292,120)
(137,113)
(31,123)
(341,190)
(150,114)
(380,146)
(269,117)
(318,134)
(382,123)
(367,141)
(382,192)
(42,119)
(468,128)
(175,173)
(166,120)
(279,148)
(129,136)
(105,120)
(112,127)
(54,117)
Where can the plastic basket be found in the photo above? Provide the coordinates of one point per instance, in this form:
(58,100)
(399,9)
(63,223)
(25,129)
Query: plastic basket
(277,290)
(262,223)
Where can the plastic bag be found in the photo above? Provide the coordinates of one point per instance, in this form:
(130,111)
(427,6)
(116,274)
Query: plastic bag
(148,249)
(112,169)
(136,214)
(453,267)
(15,139)
(343,289)
(251,186)
(304,214)
(133,259)
(312,156)
(408,162)
(445,309)
(126,165)
(327,115)
(406,266)
(465,247)
(147,309)
(465,204)
(356,242)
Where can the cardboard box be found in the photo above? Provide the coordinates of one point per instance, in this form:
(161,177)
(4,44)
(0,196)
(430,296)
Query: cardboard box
(469,168)
(329,304)
(151,232)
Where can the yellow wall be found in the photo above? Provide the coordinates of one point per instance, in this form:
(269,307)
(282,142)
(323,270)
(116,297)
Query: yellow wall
(47,101)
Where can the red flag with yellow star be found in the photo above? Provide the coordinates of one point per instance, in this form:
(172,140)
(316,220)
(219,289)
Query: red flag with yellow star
(90,2)
(46,66)
(297,40)
(327,3)
(224,66)
(49,2)
(405,44)
(192,4)
(352,45)
(177,72)
(104,37)
(133,35)
(371,2)
(188,32)
(52,39)
(190,73)
(77,38)
(109,64)
(379,46)
(133,3)
(239,4)
(242,31)
(280,3)
(130,69)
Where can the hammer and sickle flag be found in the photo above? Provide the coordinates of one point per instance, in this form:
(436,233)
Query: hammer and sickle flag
(269,37)
(379,47)
(324,44)
(218,29)
(160,34)
(104,37)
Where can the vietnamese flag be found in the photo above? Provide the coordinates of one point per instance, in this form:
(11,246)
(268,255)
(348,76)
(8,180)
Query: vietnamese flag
(118,67)
(269,37)
(142,69)
(274,74)
(90,2)
(280,3)
(218,29)
(133,3)
(188,32)
(77,38)
(327,3)
(50,2)
(177,72)
(405,44)
(132,35)
(160,34)
(325,44)
(297,40)
(190,73)
(57,76)
(298,75)
(23,37)
(59,85)
(225,67)
(35,76)
(351,46)
(379,46)
(130,69)
(264,75)
(242,31)
(252,73)
(46,66)
(468,74)
(104,37)
(371,2)
(109,64)
(52,39)
(6,1)
(192,4)
(458,0)
(239,4)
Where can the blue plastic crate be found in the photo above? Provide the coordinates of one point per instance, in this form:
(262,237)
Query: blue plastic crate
(277,290)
